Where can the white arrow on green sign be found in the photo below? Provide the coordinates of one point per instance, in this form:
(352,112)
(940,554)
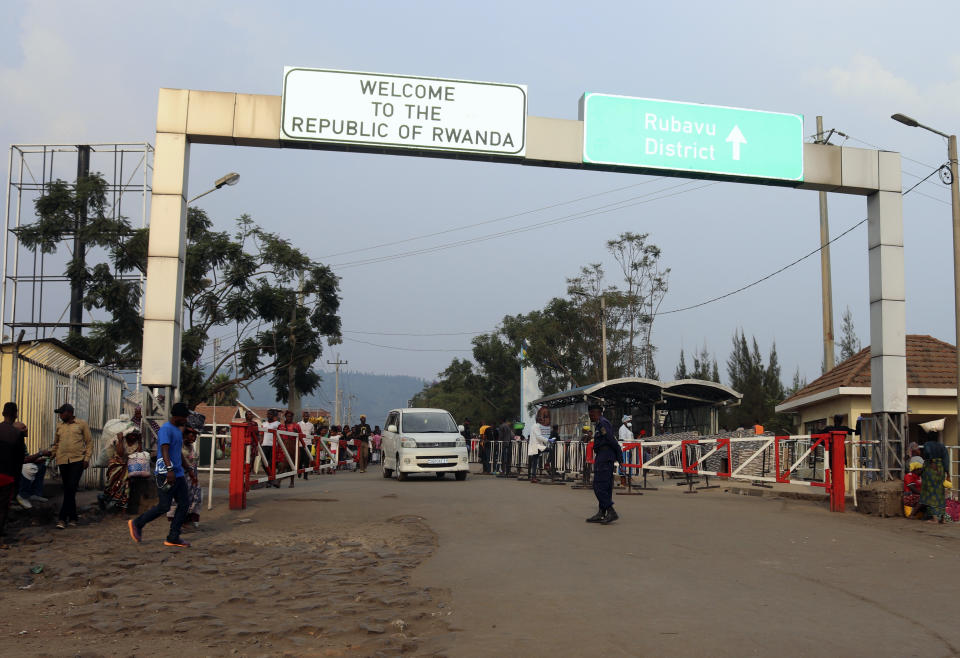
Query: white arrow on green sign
(710,139)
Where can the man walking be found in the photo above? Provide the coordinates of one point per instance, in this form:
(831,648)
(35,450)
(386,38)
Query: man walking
(171,480)
(606,450)
(72,447)
(505,437)
(362,436)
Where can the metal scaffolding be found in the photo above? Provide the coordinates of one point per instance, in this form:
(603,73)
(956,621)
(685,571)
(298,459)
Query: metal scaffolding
(35,294)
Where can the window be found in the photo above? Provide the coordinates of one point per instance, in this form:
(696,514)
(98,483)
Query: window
(814,426)
(418,422)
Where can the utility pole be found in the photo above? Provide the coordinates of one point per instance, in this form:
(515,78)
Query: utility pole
(336,397)
(825,275)
(955,215)
(79,246)
(603,333)
(350,399)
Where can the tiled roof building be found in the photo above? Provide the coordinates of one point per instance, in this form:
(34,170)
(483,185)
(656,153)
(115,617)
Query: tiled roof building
(845,390)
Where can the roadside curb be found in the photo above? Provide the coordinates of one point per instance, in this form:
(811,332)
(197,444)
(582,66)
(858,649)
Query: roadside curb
(763,492)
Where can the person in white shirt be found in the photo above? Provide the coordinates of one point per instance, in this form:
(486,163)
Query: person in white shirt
(269,426)
(306,428)
(539,434)
(625,435)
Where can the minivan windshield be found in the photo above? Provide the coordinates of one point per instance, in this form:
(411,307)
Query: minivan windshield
(420,422)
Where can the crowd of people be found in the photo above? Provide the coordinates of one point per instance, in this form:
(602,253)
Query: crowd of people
(131,472)
(358,445)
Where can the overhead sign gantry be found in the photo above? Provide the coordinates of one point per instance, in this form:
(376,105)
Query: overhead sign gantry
(488,122)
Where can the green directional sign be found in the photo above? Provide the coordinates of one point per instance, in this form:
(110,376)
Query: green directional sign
(709,139)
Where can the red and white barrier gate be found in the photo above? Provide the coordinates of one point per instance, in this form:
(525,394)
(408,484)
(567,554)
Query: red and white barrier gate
(689,455)
(246,443)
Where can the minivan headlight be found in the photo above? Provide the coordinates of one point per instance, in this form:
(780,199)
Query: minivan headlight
(407,442)
(461,442)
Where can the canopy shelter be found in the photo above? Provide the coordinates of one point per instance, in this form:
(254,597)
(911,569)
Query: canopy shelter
(656,407)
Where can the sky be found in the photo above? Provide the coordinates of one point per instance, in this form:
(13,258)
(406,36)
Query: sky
(87,72)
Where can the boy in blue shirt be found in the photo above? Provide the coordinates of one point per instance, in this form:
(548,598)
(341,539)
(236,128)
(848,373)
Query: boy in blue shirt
(171,482)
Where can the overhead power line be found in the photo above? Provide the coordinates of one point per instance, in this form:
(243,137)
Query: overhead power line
(392,333)
(762,279)
(620,205)
(406,349)
(393,243)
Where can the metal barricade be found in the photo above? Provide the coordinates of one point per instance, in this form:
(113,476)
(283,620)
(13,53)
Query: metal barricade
(283,462)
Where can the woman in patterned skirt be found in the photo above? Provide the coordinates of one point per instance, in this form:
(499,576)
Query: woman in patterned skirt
(932,496)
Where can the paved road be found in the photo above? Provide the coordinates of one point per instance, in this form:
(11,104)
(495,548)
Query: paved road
(705,574)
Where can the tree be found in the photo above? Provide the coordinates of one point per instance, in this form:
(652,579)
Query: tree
(760,385)
(595,302)
(57,211)
(849,342)
(798,382)
(227,393)
(487,393)
(278,304)
(646,286)
(681,371)
(457,392)
(705,366)
(564,338)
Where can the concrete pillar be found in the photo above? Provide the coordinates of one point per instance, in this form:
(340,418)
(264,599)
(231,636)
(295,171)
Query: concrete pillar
(167,246)
(888,352)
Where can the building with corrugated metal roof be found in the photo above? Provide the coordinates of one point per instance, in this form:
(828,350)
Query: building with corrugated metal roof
(40,375)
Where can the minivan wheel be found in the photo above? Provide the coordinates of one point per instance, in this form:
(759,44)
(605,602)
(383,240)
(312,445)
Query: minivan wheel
(461,476)
(401,476)
(387,472)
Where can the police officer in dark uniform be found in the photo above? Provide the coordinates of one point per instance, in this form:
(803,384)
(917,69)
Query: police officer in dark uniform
(606,451)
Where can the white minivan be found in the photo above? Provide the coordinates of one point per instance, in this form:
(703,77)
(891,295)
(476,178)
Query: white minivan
(423,441)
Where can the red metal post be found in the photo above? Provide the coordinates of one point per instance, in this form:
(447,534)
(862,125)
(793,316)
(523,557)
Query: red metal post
(725,443)
(781,476)
(239,433)
(838,458)
(688,468)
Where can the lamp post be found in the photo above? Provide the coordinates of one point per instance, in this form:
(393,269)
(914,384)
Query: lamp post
(229,179)
(955,208)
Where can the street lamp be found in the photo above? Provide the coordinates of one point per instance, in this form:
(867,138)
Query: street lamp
(229,179)
(955,207)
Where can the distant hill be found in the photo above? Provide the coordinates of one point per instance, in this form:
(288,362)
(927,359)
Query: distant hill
(374,395)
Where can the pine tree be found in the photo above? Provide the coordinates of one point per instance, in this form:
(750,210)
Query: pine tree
(701,364)
(849,342)
(681,371)
(798,382)
(760,385)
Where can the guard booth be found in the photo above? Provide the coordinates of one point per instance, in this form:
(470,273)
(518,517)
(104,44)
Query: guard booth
(685,405)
